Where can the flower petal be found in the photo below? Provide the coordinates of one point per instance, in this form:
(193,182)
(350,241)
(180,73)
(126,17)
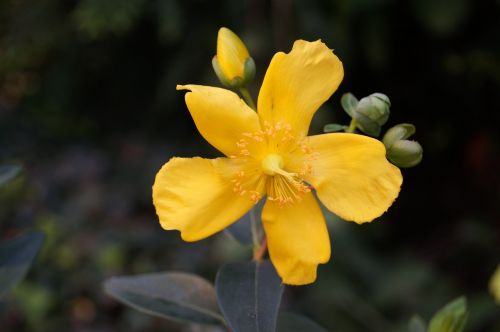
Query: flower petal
(298,83)
(196,197)
(352,177)
(231,53)
(220,116)
(297,238)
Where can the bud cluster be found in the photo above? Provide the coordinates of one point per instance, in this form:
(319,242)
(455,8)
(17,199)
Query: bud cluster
(368,115)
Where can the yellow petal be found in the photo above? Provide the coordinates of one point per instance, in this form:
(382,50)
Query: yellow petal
(298,83)
(231,54)
(297,239)
(220,116)
(196,197)
(352,177)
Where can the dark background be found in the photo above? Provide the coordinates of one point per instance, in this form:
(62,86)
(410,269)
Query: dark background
(88,106)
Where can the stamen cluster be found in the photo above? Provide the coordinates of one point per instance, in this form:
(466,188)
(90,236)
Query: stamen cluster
(266,151)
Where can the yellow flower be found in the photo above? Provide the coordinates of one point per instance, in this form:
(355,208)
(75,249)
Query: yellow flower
(268,154)
(232,64)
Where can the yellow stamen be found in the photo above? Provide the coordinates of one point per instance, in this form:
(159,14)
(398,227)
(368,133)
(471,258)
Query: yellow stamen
(283,187)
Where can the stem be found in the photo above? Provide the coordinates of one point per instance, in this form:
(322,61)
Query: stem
(352,126)
(247,97)
(261,250)
(254,228)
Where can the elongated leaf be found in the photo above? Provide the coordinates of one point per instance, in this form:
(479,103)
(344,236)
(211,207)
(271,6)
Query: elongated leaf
(333,127)
(16,256)
(417,324)
(171,295)
(8,172)
(451,318)
(249,295)
(291,322)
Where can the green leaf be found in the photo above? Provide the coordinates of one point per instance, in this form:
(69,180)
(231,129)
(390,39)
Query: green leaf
(451,318)
(291,322)
(249,295)
(16,256)
(333,127)
(8,172)
(349,103)
(171,295)
(417,324)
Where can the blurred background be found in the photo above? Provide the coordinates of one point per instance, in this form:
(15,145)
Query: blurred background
(88,106)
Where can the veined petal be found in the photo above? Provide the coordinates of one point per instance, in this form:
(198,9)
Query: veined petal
(352,177)
(220,116)
(298,83)
(196,197)
(297,239)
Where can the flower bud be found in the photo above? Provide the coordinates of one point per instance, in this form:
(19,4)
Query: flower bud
(232,64)
(372,113)
(400,132)
(400,151)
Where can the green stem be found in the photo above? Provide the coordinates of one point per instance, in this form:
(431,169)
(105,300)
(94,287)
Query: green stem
(254,228)
(259,248)
(352,126)
(247,97)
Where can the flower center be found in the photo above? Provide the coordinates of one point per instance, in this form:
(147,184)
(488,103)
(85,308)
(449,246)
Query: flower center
(272,164)
(262,152)
(282,187)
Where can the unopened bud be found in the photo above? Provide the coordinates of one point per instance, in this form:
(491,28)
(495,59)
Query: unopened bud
(370,113)
(400,151)
(232,64)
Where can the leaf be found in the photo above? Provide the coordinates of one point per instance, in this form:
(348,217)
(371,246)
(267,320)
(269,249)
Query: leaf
(249,295)
(333,127)
(349,103)
(417,324)
(16,256)
(8,172)
(171,295)
(291,322)
(451,318)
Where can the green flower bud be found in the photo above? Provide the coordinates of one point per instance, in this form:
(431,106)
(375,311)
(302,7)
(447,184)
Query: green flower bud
(232,64)
(400,151)
(400,132)
(370,113)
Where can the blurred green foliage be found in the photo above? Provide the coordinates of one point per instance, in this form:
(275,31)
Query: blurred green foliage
(88,104)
